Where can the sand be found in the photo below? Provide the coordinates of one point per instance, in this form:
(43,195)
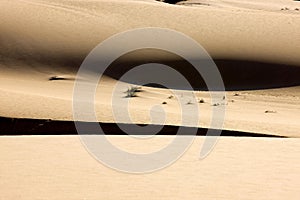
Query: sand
(55,45)
(255,45)
(59,167)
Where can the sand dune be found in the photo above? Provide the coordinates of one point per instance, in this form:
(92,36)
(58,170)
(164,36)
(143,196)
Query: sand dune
(255,45)
(246,5)
(239,168)
(55,40)
(68,30)
(56,167)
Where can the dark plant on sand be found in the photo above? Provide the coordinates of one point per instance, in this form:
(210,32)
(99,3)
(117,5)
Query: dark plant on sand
(131,92)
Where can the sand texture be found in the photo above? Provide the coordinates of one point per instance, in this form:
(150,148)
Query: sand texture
(255,45)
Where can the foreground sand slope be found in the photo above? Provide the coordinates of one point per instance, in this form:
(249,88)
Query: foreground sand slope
(58,167)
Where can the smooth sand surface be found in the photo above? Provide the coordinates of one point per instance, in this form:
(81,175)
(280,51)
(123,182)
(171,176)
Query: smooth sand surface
(256,46)
(59,167)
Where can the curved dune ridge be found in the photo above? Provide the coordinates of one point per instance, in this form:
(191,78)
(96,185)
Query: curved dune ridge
(43,44)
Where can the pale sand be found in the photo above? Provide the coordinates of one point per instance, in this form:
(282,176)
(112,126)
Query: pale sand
(59,167)
(40,39)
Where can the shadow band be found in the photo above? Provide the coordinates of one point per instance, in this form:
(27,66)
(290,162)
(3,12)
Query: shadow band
(236,74)
(21,126)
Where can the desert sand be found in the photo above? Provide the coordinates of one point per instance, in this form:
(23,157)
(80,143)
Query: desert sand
(58,167)
(255,45)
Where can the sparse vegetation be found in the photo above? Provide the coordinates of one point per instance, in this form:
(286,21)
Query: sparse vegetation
(171,1)
(216,104)
(201,101)
(236,94)
(53,78)
(131,92)
(270,111)
(170,97)
(189,102)
(164,102)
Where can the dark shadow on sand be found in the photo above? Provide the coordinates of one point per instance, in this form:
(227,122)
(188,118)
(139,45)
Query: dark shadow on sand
(236,74)
(18,126)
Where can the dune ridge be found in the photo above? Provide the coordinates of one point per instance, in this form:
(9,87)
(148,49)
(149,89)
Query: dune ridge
(224,34)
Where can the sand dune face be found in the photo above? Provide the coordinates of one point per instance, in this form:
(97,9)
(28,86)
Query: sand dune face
(44,39)
(255,45)
(245,5)
(73,28)
(58,167)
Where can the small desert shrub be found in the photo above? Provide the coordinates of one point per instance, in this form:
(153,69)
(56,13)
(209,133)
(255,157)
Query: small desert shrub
(270,111)
(131,92)
(171,1)
(189,102)
(53,78)
(216,104)
(170,97)
(236,95)
(201,101)
(164,102)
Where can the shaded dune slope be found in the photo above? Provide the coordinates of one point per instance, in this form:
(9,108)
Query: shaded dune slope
(269,62)
(13,126)
(236,74)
